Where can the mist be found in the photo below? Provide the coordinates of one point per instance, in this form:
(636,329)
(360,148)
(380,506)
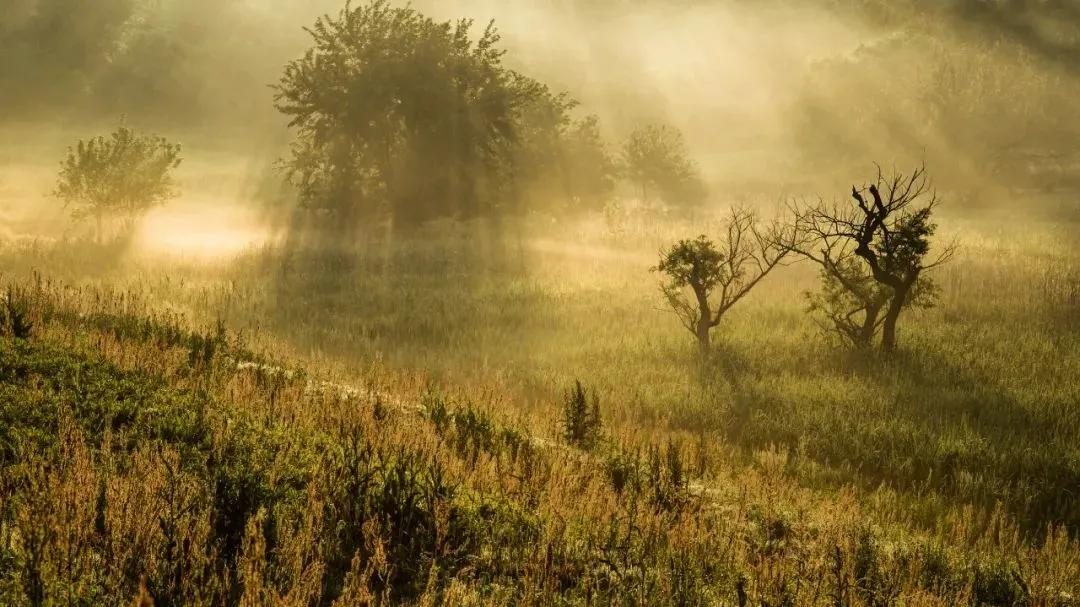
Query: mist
(539,302)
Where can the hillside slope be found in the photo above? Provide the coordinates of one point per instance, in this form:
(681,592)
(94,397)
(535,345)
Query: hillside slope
(139,457)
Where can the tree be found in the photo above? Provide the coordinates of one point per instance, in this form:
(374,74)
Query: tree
(398,114)
(119,176)
(557,160)
(873,254)
(55,49)
(718,275)
(851,301)
(589,171)
(655,158)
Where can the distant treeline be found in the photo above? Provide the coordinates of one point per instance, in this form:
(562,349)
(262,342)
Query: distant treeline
(982,90)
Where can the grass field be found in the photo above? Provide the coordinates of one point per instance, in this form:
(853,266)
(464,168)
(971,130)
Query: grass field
(389,423)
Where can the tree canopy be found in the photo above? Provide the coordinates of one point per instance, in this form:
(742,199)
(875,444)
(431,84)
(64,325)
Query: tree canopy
(121,175)
(398,114)
(655,158)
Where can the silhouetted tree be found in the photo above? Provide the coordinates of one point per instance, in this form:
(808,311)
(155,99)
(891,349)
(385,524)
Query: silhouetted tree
(656,160)
(398,113)
(720,274)
(119,176)
(873,253)
(851,301)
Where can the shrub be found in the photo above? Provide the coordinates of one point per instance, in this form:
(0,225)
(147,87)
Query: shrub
(998,584)
(15,315)
(581,417)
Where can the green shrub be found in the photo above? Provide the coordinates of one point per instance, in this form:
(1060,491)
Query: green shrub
(581,417)
(15,315)
(998,584)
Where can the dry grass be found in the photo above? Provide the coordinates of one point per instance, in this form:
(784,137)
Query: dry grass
(391,434)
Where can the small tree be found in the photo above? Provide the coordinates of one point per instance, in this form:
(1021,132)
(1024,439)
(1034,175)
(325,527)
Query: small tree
(718,275)
(119,176)
(873,255)
(655,159)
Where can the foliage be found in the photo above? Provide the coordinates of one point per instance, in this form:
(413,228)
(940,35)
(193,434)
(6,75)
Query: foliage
(589,169)
(953,98)
(120,176)
(15,315)
(52,50)
(850,302)
(655,158)
(443,129)
(433,101)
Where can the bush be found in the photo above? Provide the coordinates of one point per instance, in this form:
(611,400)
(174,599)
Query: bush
(15,315)
(998,584)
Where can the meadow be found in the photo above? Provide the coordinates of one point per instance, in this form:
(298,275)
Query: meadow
(405,403)
(375,303)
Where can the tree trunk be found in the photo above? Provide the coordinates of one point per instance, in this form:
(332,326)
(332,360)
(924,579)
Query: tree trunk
(703,338)
(888,328)
(705,316)
(866,332)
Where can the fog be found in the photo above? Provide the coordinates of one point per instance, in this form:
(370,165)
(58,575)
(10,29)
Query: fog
(774,99)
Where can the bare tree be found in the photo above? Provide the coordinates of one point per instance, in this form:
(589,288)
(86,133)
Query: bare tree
(873,254)
(718,275)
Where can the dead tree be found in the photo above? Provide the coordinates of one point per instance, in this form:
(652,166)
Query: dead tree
(718,275)
(873,253)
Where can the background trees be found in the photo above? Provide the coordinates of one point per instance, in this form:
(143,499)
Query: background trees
(589,169)
(54,50)
(386,93)
(990,107)
(656,160)
(117,177)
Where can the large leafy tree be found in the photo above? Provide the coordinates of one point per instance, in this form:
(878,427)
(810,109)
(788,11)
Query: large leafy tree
(397,113)
(559,163)
(589,169)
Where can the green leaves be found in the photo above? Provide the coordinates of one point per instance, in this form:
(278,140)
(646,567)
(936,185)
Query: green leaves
(394,109)
(692,263)
(122,174)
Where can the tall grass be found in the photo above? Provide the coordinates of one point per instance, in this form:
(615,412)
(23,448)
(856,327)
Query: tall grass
(393,431)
